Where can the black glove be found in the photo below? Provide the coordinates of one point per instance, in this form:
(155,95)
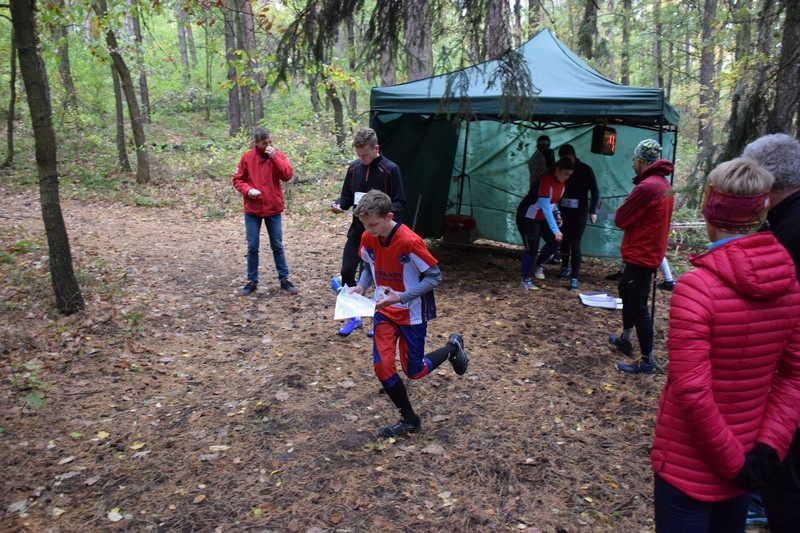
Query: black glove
(758,464)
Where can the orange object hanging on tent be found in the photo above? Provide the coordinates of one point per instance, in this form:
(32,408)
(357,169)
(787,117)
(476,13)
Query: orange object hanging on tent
(459,222)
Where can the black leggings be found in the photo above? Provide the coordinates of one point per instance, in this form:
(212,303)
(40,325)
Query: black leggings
(573,227)
(350,261)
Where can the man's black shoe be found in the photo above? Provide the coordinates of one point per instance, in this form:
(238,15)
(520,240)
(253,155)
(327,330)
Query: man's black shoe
(666,285)
(620,345)
(401,428)
(459,359)
(288,287)
(248,289)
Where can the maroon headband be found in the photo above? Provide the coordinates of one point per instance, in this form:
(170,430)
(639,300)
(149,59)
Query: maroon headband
(733,213)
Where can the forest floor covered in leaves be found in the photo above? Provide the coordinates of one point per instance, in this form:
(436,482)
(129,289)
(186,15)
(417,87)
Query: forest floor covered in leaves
(173,404)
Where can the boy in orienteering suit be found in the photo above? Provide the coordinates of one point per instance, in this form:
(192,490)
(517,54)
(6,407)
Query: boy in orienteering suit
(404,273)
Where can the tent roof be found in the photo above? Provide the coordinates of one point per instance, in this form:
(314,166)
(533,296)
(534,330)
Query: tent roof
(571,91)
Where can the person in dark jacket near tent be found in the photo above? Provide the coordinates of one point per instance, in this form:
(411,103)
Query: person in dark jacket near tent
(543,158)
(731,400)
(578,205)
(645,217)
(780,154)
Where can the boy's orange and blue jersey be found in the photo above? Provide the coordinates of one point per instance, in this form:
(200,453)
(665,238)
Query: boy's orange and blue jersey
(398,262)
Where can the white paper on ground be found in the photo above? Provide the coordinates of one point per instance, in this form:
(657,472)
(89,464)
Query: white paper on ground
(600,299)
(351,305)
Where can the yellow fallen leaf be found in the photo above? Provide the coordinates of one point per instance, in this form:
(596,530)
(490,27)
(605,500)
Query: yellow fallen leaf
(137,446)
(257,511)
(58,511)
(102,435)
(557,420)
(172,507)
(588,391)
(199,498)
(588,499)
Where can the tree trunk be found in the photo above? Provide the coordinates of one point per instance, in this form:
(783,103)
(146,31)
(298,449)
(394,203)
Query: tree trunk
(535,17)
(517,31)
(245,95)
(137,35)
(419,51)
(705,137)
(786,87)
(313,84)
(12,105)
(386,12)
(588,29)
(182,42)
(60,36)
(498,33)
(183,20)
(249,38)
(208,75)
(338,113)
(658,52)
(142,158)
(122,152)
(352,99)
(234,106)
(748,105)
(65,285)
(625,55)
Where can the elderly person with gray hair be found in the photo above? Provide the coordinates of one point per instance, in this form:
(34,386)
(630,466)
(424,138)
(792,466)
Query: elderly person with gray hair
(780,154)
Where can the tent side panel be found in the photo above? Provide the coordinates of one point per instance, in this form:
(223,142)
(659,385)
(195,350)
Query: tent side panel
(424,149)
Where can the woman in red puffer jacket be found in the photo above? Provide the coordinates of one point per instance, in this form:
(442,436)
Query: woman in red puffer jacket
(732,396)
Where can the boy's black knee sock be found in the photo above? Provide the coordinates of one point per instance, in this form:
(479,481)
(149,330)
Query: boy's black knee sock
(399,397)
(437,357)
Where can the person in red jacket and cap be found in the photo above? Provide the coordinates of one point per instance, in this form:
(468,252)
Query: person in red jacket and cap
(258,178)
(644,216)
(731,400)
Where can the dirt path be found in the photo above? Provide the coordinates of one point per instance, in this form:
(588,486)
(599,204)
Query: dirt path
(174,405)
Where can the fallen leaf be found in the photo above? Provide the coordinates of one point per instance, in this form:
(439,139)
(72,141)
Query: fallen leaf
(199,498)
(335,518)
(195,416)
(92,480)
(137,445)
(66,460)
(220,448)
(138,455)
(102,435)
(75,435)
(114,515)
(434,449)
(58,511)
(17,506)
(281,396)
(208,456)
(347,384)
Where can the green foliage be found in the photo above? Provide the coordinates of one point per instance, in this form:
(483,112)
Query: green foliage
(25,378)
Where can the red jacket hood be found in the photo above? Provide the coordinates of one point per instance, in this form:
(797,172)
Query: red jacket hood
(755,274)
(662,167)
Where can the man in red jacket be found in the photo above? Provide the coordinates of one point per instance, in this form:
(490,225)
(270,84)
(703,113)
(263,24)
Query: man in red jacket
(258,178)
(644,216)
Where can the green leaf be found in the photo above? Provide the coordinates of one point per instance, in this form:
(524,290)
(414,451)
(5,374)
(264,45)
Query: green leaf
(75,435)
(35,399)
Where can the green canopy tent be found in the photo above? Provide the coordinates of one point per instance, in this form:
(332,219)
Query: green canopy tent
(477,165)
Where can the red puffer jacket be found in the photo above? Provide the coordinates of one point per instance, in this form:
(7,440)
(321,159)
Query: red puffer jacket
(645,216)
(734,366)
(265,174)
